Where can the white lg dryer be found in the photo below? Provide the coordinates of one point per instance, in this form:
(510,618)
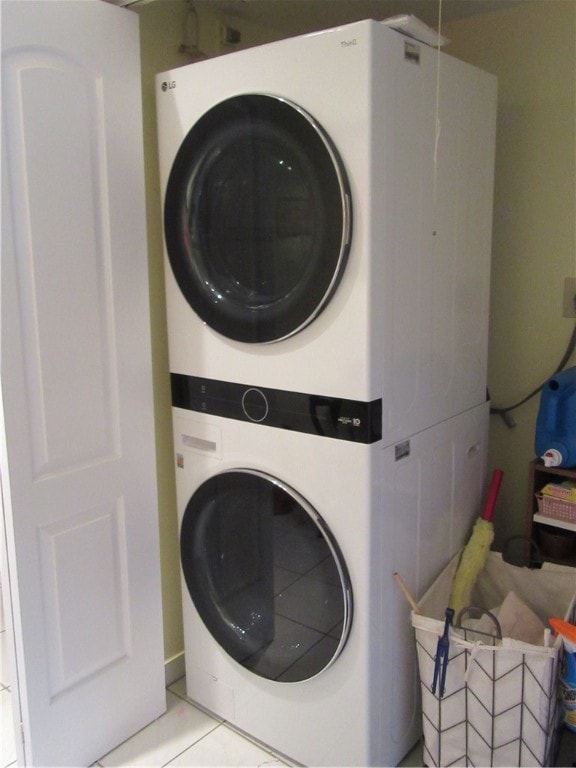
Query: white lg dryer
(328,221)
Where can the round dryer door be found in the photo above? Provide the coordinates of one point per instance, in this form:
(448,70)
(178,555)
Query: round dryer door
(257,218)
(265,575)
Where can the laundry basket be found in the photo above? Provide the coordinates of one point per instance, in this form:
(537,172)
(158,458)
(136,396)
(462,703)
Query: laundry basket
(500,705)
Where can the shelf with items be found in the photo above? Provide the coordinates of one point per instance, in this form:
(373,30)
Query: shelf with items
(554,535)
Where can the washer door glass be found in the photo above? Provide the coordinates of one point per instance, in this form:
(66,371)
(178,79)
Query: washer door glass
(257,218)
(265,575)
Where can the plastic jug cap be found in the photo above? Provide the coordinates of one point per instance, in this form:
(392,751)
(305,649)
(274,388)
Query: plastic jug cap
(552,458)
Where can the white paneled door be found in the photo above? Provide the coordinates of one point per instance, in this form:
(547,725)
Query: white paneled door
(76,436)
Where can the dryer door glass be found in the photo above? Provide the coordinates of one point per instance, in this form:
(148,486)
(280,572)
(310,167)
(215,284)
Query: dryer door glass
(257,218)
(265,575)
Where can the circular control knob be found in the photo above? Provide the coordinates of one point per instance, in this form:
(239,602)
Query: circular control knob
(254,404)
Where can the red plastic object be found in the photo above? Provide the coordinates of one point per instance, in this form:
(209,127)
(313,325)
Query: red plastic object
(493,491)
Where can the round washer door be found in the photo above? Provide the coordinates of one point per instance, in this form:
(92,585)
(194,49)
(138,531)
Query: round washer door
(257,218)
(265,575)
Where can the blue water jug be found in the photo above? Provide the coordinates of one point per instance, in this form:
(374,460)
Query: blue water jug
(556,422)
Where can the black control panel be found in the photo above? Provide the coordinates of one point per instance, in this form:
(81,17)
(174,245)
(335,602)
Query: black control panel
(335,417)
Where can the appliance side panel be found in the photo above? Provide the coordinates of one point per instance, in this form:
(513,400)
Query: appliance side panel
(433,225)
(402,143)
(431,497)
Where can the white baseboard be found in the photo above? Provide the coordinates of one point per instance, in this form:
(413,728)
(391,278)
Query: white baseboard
(174,668)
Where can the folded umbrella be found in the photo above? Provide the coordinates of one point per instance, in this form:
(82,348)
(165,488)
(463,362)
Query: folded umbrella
(476,550)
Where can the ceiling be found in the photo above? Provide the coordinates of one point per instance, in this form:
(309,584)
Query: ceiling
(295,17)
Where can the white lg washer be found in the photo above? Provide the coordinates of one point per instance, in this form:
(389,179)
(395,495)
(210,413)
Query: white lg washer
(327,210)
(295,629)
(327,214)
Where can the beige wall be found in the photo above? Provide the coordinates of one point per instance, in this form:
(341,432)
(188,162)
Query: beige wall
(160,36)
(532,51)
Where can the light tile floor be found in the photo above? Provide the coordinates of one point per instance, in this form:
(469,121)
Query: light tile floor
(185,735)
(211,742)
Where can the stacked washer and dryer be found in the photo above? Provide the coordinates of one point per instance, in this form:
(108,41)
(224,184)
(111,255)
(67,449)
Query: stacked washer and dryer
(327,211)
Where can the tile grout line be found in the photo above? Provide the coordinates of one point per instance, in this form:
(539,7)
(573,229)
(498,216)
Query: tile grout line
(193,744)
(231,727)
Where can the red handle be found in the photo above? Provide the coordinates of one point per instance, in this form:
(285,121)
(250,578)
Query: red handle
(493,491)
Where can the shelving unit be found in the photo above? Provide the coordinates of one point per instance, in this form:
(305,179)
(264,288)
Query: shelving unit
(539,476)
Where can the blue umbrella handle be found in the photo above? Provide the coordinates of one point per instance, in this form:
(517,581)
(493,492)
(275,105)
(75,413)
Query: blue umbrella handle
(442,651)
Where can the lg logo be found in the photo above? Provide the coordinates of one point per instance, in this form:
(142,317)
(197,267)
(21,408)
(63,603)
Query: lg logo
(168,86)
(350,421)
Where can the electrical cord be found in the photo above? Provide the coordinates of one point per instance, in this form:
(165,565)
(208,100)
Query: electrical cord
(505,412)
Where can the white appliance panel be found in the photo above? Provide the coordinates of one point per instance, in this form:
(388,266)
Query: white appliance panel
(386,515)
(405,330)
(408,320)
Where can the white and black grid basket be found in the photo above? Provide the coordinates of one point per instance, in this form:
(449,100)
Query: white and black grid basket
(500,706)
